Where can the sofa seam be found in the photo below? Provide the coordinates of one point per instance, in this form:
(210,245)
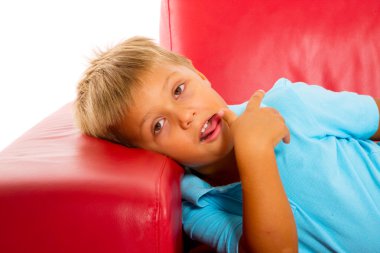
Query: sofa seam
(170,26)
(158,208)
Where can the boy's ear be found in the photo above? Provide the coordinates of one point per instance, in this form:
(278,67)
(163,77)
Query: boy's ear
(201,75)
(196,70)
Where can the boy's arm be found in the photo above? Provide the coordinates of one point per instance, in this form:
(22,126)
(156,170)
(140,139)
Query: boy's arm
(376,136)
(320,112)
(268,223)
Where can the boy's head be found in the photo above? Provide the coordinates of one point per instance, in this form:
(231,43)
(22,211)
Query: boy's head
(139,94)
(105,90)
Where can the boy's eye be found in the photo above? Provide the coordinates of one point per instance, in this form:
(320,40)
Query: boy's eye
(178,91)
(158,126)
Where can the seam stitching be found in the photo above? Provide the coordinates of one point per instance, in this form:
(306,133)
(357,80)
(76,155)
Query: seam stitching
(170,26)
(158,207)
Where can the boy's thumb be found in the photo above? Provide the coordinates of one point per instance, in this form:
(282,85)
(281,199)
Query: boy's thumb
(255,100)
(228,115)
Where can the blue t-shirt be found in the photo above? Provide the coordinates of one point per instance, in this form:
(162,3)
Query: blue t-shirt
(330,172)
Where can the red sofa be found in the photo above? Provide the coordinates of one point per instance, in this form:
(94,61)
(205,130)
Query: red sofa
(61,191)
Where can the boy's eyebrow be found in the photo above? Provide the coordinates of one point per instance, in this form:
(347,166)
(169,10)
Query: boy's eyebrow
(166,84)
(164,87)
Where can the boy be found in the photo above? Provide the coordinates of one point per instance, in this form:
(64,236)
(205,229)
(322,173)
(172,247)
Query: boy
(295,169)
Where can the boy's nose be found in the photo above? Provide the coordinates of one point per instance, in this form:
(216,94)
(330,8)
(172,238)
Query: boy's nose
(186,117)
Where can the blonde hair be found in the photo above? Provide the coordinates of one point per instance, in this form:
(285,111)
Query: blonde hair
(105,91)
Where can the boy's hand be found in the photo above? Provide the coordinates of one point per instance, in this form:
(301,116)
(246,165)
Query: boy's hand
(268,223)
(257,125)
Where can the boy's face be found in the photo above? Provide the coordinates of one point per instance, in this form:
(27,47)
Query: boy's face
(175,113)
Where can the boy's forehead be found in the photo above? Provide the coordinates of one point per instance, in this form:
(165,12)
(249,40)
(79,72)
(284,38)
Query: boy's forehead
(165,70)
(156,79)
(148,93)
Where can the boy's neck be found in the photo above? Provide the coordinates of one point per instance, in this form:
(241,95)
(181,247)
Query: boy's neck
(224,171)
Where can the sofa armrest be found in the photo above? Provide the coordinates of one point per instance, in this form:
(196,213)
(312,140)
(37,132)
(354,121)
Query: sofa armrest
(61,191)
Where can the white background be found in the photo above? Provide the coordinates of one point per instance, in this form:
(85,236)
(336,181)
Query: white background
(45,46)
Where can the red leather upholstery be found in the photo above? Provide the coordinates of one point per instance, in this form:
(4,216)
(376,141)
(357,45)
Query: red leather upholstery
(64,192)
(248,44)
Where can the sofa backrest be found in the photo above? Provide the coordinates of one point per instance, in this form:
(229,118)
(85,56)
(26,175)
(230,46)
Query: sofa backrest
(248,44)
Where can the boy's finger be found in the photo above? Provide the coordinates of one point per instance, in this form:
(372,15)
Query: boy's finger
(286,139)
(255,100)
(228,115)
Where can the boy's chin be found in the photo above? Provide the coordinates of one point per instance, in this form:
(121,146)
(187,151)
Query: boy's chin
(215,157)
(196,166)
(212,163)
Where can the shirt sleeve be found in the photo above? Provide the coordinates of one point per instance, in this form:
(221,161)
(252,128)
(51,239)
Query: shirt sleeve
(342,114)
(212,215)
(212,226)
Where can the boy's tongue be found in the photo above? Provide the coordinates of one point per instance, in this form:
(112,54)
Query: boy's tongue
(212,123)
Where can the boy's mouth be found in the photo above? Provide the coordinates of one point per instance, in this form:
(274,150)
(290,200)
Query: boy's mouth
(211,128)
